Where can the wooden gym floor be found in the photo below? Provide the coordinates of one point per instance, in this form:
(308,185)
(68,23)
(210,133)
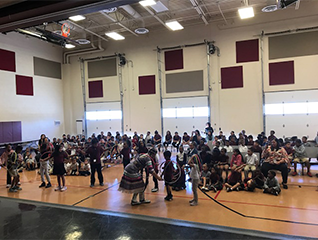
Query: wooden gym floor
(293,212)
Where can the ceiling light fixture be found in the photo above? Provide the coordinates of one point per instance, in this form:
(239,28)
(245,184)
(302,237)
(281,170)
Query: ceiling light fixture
(115,36)
(146,3)
(77,18)
(174,25)
(246,11)
(69,46)
(141,30)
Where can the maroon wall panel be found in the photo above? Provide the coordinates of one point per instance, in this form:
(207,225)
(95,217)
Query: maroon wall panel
(1,133)
(232,77)
(174,60)
(24,85)
(147,85)
(95,89)
(16,132)
(7,132)
(247,51)
(7,60)
(281,73)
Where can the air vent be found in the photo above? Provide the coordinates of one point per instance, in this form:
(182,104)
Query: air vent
(83,41)
(270,8)
(141,30)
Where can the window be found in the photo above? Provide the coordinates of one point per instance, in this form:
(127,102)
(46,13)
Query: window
(291,108)
(104,115)
(189,112)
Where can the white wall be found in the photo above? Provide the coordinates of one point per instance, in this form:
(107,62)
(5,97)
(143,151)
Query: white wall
(231,109)
(37,113)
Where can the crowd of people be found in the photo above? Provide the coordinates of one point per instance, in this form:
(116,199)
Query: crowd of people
(212,162)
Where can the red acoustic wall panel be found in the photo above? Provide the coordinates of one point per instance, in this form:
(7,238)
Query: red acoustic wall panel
(7,60)
(174,60)
(281,73)
(247,51)
(95,89)
(147,85)
(24,85)
(232,77)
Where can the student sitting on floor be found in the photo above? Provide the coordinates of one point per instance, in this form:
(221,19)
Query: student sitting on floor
(301,157)
(242,147)
(223,164)
(271,185)
(215,181)
(251,163)
(29,161)
(73,169)
(290,153)
(85,169)
(234,181)
(205,177)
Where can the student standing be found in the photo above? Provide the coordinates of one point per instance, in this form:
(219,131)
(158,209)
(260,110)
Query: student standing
(44,165)
(194,163)
(4,160)
(59,157)
(168,170)
(94,152)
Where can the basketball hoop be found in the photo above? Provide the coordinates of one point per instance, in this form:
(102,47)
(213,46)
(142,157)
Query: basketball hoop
(65,30)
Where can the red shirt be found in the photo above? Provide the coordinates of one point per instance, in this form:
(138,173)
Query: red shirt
(60,157)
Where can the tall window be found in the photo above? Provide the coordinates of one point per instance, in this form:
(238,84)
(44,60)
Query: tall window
(104,115)
(189,112)
(291,108)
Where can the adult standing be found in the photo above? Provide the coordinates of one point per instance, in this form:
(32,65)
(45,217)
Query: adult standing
(275,158)
(132,181)
(94,152)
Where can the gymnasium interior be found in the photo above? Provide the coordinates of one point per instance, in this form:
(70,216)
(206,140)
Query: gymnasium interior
(80,68)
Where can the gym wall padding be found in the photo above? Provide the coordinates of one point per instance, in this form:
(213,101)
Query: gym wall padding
(10,132)
(24,85)
(232,77)
(184,82)
(95,89)
(7,60)
(247,51)
(47,68)
(174,60)
(102,68)
(293,45)
(147,84)
(281,73)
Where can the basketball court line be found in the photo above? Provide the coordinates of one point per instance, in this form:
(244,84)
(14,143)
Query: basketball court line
(255,217)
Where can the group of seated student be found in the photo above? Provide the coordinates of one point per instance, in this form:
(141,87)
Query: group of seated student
(261,156)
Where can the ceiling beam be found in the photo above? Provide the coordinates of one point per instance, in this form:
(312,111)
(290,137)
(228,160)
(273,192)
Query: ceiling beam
(199,10)
(156,17)
(86,30)
(118,23)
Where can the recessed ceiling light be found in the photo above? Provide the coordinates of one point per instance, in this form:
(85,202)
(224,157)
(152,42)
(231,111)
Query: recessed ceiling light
(270,8)
(146,3)
(110,10)
(115,36)
(141,30)
(174,25)
(246,12)
(68,46)
(77,18)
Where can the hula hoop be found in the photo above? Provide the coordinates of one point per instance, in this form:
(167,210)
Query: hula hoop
(176,176)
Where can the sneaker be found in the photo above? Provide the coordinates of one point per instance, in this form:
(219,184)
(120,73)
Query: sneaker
(17,188)
(193,204)
(8,185)
(63,189)
(276,193)
(19,183)
(237,189)
(154,190)
(285,186)
(42,185)
(228,189)
(12,190)
(101,184)
(191,201)
(92,185)
(309,174)
(48,185)
(134,203)
(145,201)
(57,189)
(294,173)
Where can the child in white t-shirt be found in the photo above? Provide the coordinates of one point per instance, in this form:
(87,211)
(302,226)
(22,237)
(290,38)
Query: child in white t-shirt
(194,163)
